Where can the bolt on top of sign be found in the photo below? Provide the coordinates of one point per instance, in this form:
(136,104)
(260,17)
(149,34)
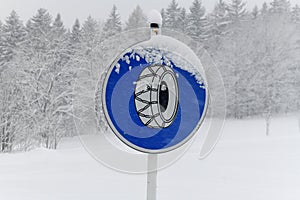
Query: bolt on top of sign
(155,93)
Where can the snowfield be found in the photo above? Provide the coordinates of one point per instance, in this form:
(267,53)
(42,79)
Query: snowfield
(245,165)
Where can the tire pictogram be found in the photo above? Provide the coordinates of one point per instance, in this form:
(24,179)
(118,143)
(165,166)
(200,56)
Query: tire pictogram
(156,96)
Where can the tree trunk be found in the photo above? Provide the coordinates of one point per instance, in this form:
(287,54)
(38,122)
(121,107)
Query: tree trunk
(2,140)
(299,123)
(47,142)
(268,122)
(55,143)
(55,140)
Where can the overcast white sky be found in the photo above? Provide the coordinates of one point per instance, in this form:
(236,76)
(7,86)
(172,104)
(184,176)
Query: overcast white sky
(99,9)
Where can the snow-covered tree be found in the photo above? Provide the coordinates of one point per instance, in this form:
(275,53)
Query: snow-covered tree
(76,32)
(163,15)
(90,33)
(197,22)
(113,24)
(236,10)
(75,38)
(91,38)
(58,27)
(1,27)
(255,12)
(1,49)
(87,63)
(48,76)
(264,10)
(219,21)
(39,30)
(13,33)
(280,54)
(172,16)
(296,14)
(60,40)
(183,20)
(14,121)
(280,6)
(137,19)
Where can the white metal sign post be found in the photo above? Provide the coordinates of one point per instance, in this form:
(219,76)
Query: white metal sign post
(152,176)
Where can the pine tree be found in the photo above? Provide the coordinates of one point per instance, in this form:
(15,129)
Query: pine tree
(75,39)
(197,22)
(163,15)
(87,62)
(255,12)
(237,10)
(60,59)
(236,14)
(1,49)
(182,21)
(13,33)
(76,32)
(61,51)
(90,32)
(60,43)
(280,6)
(137,19)
(219,20)
(296,14)
(59,35)
(264,10)
(1,26)
(113,24)
(284,6)
(39,30)
(274,6)
(91,39)
(58,27)
(172,16)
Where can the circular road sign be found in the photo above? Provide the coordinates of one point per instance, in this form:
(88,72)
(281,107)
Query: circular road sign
(153,99)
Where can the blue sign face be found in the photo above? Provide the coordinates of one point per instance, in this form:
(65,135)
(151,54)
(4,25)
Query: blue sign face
(153,103)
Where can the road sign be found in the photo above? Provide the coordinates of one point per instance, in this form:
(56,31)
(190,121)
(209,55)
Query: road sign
(154,100)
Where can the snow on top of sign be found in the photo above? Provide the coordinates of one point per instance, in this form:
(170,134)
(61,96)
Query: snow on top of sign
(155,17)
(118,66)
(163,49)
(137,58)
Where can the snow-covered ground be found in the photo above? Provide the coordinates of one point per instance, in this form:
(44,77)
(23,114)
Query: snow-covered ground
(245,165)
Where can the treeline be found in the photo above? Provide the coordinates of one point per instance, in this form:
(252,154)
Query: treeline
(46,69)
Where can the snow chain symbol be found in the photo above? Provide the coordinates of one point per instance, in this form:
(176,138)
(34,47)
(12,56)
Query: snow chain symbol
(156,96)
